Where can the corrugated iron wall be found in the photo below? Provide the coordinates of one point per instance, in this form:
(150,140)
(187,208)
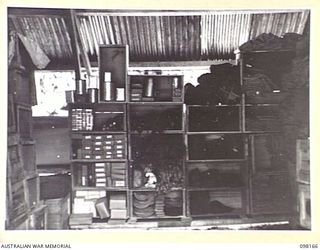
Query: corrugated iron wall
(194,37)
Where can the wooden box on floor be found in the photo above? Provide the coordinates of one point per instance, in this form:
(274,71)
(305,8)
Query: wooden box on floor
(58,213)
(304,206)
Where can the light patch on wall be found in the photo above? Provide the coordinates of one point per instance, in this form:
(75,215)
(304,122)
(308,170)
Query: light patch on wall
(51,87)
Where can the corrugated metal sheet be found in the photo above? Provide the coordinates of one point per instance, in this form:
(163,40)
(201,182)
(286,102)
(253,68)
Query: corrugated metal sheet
(50,33)
(193,37)
(222,34)
(171,37)
(278,24)
(148,37)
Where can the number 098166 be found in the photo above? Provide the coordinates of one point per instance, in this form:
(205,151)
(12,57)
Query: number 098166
(312,246)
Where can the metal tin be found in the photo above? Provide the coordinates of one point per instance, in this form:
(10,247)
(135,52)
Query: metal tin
(149,88)
(93,95)
(80,87)
(175,84)
(108,91)
(120,94)
(70,96)
(93,81)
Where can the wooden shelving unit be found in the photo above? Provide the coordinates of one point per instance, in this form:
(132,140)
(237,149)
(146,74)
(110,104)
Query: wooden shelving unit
(167,94)
(208,193)
(268,176)
(223,155)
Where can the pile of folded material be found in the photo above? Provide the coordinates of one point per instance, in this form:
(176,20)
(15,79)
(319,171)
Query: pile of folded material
(144,204)
(173,203)
(159,205)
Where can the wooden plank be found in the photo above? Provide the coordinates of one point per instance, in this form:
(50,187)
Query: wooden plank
(178,64)
(79,48)
(181,12)
(37,12)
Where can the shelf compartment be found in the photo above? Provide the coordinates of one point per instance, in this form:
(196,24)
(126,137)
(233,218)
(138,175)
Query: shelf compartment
(156,118)
(157,147)
(98,118)
(212,202)
(110,118)
(215,175)
(157,205)
(84,201)
(269,183)
(158,88)
(100,175)
(169,175)
(99,147)
(262,118)
(215,146)
(218,118)
(267,153)
(271,194)
(113,59)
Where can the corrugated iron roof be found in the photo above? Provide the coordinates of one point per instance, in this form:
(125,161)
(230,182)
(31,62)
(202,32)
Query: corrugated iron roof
(193,37)
(149,37)
(278,24)
(170,36)
(50,33)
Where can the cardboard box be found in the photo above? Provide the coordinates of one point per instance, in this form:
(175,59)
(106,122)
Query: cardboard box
(118,213)
(102,208)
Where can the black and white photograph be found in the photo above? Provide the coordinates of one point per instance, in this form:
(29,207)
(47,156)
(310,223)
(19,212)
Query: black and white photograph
(158,119)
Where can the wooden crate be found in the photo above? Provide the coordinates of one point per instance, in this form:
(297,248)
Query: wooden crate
(304,206)
(303,161)
(38,218)
(57,213)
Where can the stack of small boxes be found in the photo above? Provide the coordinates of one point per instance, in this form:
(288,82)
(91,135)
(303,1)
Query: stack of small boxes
(110,174)
(118,174)
(84,201)
(81,119)
(159,205)
(136,92)
(100,174)
(102,147)
(118,206)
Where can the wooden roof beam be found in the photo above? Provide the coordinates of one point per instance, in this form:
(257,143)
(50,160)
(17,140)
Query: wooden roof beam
(38,12)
